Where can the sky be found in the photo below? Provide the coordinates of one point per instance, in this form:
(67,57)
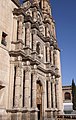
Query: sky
(64,14)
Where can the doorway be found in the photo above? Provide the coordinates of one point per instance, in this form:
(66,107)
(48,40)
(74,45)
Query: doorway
(38,106)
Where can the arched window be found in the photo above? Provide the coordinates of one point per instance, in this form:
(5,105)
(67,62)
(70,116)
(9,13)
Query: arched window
(67,96)
(38,48)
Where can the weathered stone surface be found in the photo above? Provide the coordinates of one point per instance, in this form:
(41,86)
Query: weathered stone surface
(29,62)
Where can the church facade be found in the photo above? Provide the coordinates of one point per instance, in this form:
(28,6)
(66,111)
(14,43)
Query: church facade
(30,71)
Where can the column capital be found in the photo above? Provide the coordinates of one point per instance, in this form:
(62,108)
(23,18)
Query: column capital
(21,18)
(27,69)
(15,17)
(27,25)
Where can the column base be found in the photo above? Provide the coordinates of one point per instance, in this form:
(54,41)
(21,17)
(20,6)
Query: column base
(49,114)
(18,113)
(34,114)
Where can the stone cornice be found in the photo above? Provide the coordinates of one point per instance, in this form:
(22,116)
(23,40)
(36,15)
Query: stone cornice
(16,2)
(19,41)
(46,71)
(33,61)
(16,53)
(19,11)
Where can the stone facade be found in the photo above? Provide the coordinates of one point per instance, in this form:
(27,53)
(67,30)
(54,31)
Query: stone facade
(67,99)
(30,73)
(67,93)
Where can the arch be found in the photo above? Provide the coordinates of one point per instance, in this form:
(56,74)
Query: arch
(67,96)
(41,82)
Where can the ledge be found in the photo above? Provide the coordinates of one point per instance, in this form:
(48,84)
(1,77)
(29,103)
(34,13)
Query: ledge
(23,110)
(1,85)
(51,109)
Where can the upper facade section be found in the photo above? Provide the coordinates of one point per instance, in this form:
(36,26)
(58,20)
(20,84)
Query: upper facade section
(39,13)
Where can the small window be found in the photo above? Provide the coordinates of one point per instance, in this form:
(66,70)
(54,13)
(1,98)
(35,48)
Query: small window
(38,48)
(67,96)
(40,5)
(17,29)
(3,41)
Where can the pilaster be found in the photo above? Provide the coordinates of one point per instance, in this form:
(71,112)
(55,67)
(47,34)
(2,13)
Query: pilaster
(34,32)
(49,94)
(34,90)
(20,27)
(52,55)
(53,90)
(27,86)
(34,111)
(28,34)
(17,98)
(11,83)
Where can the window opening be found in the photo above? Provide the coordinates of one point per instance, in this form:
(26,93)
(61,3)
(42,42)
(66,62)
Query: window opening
(3,41)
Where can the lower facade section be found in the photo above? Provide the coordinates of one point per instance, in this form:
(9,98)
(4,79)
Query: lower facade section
(32,114)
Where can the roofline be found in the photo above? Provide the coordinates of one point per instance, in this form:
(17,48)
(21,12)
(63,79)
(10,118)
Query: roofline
(66,86)
(16,2)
